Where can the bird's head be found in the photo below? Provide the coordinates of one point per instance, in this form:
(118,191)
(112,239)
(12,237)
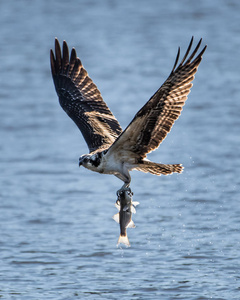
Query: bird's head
(84,160)
(90,161)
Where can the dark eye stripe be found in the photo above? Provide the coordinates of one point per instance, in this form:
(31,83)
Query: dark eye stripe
(96,162)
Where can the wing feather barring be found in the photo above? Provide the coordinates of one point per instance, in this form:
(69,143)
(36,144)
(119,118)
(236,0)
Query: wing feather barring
(113,151)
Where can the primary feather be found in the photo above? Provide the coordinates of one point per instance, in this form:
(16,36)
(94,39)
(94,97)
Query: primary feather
(81,99)
(155,119)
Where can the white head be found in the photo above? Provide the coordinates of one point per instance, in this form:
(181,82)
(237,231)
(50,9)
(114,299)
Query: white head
(84,160)
(90,161)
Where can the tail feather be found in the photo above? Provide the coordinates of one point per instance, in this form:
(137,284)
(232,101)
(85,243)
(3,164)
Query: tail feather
(158,169)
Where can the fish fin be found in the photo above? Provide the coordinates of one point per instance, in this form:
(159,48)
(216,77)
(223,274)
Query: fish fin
(133,210)
(117,206)
(123,240)
(116,217)
(135,203)
(131,224)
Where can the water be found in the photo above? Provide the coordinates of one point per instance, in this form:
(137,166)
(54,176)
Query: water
(58,240)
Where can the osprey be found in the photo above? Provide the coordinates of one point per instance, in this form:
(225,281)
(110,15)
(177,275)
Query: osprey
(112,150)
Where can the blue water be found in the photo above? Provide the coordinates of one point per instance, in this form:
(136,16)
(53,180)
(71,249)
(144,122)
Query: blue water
(58,239)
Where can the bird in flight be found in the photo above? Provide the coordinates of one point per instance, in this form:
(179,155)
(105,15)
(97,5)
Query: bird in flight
(112,150)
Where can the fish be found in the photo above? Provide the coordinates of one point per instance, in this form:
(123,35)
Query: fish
(126,208)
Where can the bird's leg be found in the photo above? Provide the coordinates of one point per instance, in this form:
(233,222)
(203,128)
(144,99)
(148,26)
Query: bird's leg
(125,176)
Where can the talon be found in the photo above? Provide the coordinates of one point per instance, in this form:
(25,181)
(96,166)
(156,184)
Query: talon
(122,189)
(130,193)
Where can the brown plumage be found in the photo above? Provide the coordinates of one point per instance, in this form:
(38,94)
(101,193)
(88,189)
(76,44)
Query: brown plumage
(158,169)
(155,119)
(81,99)
(113,151)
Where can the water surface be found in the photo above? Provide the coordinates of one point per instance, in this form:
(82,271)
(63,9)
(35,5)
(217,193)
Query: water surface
(58,239)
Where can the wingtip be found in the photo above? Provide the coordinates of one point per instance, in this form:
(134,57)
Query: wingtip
(203,50)
(176,60)
(57,44)
(51,53)
(187,53)
(65,45)
(73,56)
(52,62)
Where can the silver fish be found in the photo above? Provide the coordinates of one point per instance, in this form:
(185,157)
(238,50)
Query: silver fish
(126,208)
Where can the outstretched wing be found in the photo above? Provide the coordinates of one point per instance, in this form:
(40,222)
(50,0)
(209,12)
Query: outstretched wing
(155,119)
(81,99)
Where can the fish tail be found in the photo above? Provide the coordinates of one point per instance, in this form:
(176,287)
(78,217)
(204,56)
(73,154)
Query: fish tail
(123,239)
